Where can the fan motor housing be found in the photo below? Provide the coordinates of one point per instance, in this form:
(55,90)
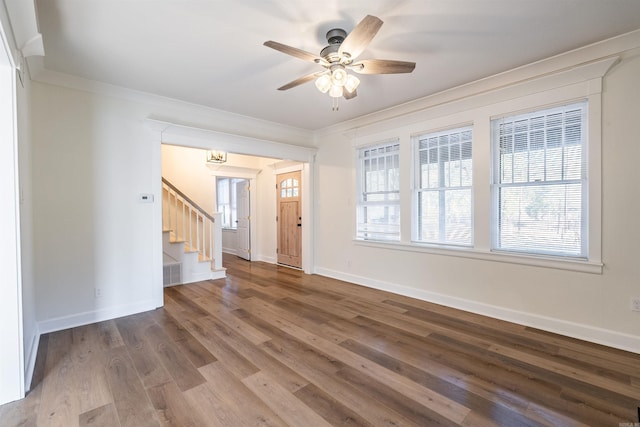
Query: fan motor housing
(335,37)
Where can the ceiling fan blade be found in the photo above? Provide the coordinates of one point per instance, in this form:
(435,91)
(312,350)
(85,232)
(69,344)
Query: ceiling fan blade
(349,95)
(382,66)
(293,51)
(300,80)
(358,40)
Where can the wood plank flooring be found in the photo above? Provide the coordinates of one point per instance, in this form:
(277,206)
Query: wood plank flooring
(271,346)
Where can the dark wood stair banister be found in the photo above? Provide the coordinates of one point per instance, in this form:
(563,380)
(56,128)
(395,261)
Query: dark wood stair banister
(184,196)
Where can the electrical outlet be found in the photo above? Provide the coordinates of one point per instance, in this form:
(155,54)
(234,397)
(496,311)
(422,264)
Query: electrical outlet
(635,304)
(98,292)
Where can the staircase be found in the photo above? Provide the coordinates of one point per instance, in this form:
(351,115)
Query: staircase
(191,239)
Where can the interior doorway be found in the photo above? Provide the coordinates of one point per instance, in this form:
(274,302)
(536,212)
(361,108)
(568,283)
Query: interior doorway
(243,223)
(289,219)
(233,201)
(263,234)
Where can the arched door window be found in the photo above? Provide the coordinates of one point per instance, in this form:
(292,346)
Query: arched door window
(289,188)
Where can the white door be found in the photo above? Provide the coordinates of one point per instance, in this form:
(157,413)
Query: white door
(244,220)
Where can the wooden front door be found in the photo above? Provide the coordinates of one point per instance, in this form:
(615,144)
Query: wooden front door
(288,187)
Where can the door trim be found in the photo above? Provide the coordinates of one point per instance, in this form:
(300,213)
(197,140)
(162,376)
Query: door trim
(12,372)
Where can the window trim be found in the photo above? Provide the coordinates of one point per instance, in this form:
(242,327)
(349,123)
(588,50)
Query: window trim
(570,264)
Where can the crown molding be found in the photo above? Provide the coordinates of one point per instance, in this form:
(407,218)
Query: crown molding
(26,36)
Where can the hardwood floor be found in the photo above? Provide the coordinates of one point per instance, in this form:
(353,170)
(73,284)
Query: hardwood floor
(271,346)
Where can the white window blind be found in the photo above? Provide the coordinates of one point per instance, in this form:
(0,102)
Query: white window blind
(443,187)
(540,182)
(378,170)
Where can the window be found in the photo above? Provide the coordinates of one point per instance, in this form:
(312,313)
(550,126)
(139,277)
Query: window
(539,188)
(443,193)
(378,170)
(226,199)
(289,188)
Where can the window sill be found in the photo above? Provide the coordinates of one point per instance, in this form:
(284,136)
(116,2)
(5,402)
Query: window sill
(590,267)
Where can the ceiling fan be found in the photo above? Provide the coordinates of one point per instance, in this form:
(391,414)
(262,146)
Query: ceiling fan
(339,57)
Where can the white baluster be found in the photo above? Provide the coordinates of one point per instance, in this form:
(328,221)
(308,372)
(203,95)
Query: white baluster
(184,223)
(197,231)
(168,210)
(204,227)
(217,243)
(175,211)
(173,215)
(190,226)
(211,240)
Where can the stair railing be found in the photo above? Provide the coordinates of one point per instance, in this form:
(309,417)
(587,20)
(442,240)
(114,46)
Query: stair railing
(189,223)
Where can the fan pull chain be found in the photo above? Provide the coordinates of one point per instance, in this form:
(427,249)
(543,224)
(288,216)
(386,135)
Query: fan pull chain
(334,104)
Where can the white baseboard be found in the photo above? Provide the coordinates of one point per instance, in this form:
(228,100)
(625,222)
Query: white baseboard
(31,360)
(268,259)
(192,277)
(563,327)
(231,251)
(88,317)
(218,274)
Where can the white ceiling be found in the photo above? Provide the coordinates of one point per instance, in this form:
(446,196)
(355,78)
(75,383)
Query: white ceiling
(210,52)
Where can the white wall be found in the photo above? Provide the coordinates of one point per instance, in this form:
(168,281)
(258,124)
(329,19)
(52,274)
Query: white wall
(586,305)
(92,156)
(186,168)
(267,226)
(229,241)
(89,165)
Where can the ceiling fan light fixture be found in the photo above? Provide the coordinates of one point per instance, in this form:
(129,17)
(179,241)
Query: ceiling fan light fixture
(323,83)
(340,57)
(338,76)
(352,83)
(336,91)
